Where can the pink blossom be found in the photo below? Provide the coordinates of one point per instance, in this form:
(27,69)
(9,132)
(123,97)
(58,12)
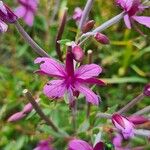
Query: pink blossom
(69,81)
(17,116)
(82,145)
(27,10)
(123,125)
(77,14)
(44,145)
(6,16)
(132,8)
(117,142)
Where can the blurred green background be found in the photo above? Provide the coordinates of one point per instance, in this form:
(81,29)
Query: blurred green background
(125,62)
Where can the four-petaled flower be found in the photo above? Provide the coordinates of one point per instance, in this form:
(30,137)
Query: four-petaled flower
(6,16)
(132,7)
(27,10)
(125,126)
(69,81)
(77,144)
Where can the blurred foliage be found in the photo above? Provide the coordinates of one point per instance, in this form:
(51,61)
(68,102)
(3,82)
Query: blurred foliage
(125,65)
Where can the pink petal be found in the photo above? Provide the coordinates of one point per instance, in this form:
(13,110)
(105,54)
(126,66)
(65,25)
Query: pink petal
(136,119)
(127,21)
(92,81)
(51,66)
(88,71)
(17,116)
(90,95)
(117,140)
(20,11)
(142,20)
(55,89)
(79,145)
(3,27)
(29,18)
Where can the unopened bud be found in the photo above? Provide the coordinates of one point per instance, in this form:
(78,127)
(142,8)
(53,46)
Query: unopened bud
(147,90)
(136,119)
(101,38)
(77,52)
(17,116)
(88,26)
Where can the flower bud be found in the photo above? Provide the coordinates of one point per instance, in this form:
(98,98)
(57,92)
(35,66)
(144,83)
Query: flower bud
(6,14)
(77,14)
(123,125)
(101,38)
(28,108)
(147,90)
(88,26)
(17,116)
(136,119)
(77,52)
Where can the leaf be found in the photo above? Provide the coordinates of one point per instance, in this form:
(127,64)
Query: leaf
(125,80)
(84,126)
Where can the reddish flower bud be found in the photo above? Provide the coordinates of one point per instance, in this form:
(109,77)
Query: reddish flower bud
(147,90)
(28,107)
(136,119)
(101,38)
(124,125)
(6,14)
(77,52)
(88,26)
(17,116)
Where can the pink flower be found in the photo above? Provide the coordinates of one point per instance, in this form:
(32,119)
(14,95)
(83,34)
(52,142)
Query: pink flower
(6,16)
(44,145)
(132,7)
(82,145)
(77,14)
(27,10)
(69,81)
(117,142)
(123,125)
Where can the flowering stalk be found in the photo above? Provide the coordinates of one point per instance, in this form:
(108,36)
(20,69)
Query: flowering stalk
(59,35)
(143,111)
(30,41)
(86,12)
(142,132)
(104,115)
(131,103)
(39,111)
